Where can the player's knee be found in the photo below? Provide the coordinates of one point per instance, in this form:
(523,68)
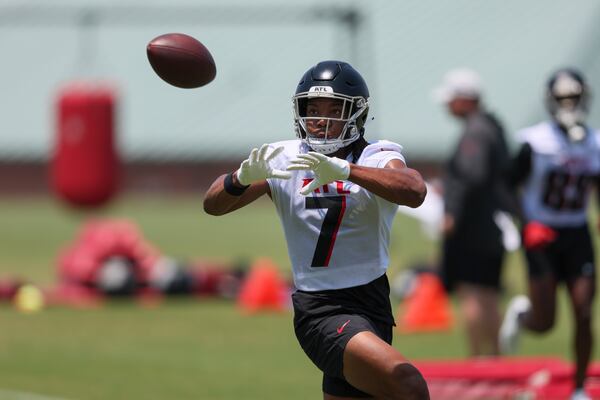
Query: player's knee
(408,383)
(583,308)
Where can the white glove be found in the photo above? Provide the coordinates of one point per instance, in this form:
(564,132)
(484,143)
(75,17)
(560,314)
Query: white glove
(326,169)
(256,167)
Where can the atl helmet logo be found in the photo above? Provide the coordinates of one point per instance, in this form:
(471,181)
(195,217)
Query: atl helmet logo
(321,89)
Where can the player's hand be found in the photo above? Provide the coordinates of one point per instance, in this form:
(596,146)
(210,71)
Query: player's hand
(326,169)
(257,167)
(536,235)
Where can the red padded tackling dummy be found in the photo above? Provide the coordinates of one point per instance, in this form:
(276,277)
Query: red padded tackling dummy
(84,165)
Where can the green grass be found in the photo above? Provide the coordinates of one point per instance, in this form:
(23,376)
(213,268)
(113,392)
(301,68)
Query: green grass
(180,350)
(186,349)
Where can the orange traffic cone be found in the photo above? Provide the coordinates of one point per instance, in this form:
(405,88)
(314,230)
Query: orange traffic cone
(263,288)
(427,308)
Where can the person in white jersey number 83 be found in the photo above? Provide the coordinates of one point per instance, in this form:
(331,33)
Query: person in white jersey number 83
(336,195)
(554,172)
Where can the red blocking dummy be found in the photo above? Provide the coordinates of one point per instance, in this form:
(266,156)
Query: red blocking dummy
(84,168)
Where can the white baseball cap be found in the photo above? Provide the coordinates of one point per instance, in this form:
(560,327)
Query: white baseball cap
(460,82)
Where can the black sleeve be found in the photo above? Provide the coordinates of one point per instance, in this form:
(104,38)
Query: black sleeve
(520,166)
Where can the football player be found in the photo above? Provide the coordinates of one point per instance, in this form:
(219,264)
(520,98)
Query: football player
(336,195)
(557,165)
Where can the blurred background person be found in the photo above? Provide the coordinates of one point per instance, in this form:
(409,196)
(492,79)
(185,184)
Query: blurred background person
(554,170)
(472,250)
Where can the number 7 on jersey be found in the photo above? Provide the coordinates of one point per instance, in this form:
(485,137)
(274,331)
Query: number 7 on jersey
(336,206)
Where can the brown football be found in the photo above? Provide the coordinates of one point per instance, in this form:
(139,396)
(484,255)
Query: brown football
(181,60)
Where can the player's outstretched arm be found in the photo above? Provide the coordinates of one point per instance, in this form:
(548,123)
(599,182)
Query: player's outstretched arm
(232,191)
(218,202)
(396,182)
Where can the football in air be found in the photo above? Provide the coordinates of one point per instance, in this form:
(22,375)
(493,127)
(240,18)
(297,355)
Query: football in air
(181,60)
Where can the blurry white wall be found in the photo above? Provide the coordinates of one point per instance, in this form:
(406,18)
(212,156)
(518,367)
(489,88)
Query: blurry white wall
(262,48)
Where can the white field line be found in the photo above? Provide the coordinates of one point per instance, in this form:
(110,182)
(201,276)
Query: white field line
(19,395)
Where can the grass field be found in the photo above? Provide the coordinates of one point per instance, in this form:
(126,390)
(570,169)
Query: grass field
(184,349)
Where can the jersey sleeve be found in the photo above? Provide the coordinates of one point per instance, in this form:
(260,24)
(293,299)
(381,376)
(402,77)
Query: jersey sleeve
(378,154)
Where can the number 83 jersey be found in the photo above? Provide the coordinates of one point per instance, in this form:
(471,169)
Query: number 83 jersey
(561,175)
(337,236)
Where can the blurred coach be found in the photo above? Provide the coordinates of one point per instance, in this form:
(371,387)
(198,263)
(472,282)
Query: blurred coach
(473,191)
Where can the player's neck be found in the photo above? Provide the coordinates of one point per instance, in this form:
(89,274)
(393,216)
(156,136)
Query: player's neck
(341,153)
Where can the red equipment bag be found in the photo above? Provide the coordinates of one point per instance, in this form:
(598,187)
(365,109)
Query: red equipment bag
(84,166)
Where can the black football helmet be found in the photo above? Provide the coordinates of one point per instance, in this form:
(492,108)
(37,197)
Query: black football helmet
(567,100)
(338,80)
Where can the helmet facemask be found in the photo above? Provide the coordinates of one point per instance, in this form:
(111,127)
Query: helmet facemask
(328,131)
(567,101)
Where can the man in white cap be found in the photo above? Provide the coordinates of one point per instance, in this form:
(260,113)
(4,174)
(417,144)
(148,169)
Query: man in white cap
(474,191)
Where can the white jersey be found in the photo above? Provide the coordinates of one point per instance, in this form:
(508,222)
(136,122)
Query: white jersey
(562,173)
(338,236)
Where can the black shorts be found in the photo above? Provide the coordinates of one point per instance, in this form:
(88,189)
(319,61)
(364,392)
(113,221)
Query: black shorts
(324,322)
(570,256)
(462,264)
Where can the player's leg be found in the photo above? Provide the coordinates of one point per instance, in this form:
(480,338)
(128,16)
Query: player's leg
(490,300)
(477,287)
(543,267)
(580,274)
(362,363)
(332,397)
(324,341)
(542,294)
(338,388)
(471,312)
(479,307)
(375,367)
(339,339)
(536,312)
(581,291)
